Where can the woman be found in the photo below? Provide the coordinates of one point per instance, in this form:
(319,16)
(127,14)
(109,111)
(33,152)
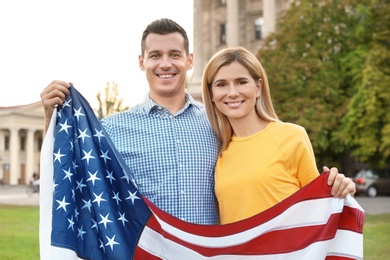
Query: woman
(262,160)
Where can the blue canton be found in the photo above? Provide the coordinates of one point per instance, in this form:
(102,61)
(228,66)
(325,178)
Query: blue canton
(171,157)
(97,211)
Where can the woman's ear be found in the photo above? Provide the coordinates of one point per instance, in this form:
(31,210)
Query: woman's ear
(259,84)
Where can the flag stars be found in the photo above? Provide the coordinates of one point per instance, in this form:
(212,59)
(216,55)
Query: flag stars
(105,156)
(76,214)
(65,127)
(68,174)
(116,197)
(71,223)
(71,146)
(75,166)
(83,134)
(122,218)
(93,177)
(99,134)
(95,225)
(62,204)
(98,198)
(105,220)
(87,204)
(66,103)
(109,176)
(132,196)
(78,113)
(58,155)
(81,232)
(111,242)
(80,185)
(102,246)
(126,177)
(87,156)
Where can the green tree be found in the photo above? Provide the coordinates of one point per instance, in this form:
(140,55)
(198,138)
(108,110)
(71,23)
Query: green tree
(314,78)
(109,102)
(366,124)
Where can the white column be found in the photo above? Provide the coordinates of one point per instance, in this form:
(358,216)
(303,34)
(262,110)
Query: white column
(233,23)
(30,158)
(269,14)
(194,85)
(14,156)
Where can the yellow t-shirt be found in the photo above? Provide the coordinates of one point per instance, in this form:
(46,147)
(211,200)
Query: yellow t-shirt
(258,171)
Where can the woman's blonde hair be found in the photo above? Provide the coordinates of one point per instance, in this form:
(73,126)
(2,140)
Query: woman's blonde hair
(264,106)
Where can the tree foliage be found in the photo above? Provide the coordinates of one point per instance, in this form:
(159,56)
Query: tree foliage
(328,68)
(109,101)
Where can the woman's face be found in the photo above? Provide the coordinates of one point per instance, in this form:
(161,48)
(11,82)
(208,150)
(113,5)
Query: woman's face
(235,92)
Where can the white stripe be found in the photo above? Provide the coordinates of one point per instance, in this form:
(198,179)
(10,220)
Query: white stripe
(351,202)
(47,251)
(306,213)
(46,191)
(345,243)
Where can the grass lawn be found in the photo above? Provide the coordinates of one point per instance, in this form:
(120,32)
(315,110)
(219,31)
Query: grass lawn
(19,232)
(20,227)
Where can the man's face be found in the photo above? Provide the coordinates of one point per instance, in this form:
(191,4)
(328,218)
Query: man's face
(165,63)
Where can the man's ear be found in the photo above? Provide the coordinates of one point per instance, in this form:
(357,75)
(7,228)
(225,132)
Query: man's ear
(141,62)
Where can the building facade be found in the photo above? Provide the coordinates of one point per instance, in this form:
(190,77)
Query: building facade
(221,23)
(21,137)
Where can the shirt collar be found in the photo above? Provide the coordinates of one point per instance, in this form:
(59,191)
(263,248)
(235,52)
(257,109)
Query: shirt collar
(148,104)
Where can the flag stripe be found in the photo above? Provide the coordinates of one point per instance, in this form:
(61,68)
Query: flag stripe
(342,245)
(297,234)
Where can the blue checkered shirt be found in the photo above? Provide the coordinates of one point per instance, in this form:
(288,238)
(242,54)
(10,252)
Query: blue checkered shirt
(171,157)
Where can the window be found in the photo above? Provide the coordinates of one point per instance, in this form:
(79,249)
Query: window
(6,142)
(40,141)
(22,143)
(259,28)
(222,33)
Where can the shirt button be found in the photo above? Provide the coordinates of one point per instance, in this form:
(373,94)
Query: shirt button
(182,192)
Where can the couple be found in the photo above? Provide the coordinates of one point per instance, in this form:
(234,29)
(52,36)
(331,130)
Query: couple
(176,152)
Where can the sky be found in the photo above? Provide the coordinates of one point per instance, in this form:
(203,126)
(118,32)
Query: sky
(87,42)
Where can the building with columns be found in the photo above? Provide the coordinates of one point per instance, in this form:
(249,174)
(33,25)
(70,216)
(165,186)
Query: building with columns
(220,23)
(21,137)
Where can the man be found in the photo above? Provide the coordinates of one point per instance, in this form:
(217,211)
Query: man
(166,140)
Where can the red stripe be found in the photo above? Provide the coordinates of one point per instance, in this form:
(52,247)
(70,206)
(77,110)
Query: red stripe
(338,258)
(277,241)
(319,187)
(352,219)
(141,254)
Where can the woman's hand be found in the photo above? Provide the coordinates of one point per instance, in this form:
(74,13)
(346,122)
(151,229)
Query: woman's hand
(341,185)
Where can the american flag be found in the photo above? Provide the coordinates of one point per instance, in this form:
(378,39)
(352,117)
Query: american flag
(90,208)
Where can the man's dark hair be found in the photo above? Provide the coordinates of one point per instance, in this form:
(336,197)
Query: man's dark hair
(164,26)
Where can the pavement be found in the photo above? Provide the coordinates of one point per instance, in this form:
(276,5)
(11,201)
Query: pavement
(18,195)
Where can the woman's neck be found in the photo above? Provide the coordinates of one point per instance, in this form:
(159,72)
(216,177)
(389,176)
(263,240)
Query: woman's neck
(248,126)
